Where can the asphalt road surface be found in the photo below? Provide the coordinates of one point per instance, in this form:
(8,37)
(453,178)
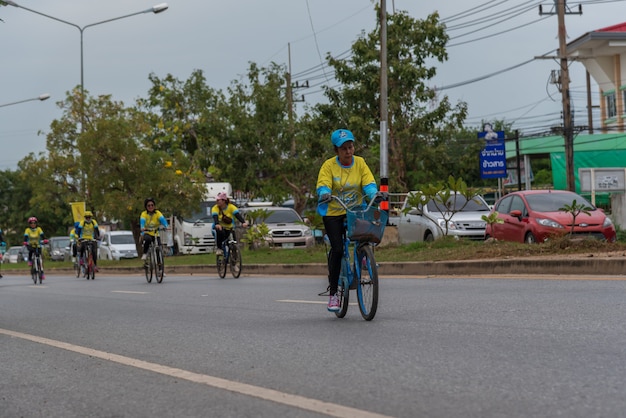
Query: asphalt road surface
(200,346)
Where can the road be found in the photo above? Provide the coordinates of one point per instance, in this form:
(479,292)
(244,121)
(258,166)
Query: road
(259,346)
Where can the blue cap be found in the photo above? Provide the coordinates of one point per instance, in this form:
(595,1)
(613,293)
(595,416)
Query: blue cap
(340,136)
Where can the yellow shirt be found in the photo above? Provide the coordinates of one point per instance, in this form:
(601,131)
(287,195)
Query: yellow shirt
(32,236)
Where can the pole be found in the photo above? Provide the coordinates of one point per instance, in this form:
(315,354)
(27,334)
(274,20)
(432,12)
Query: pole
(384,111)
(568,133)
(161,7)
(518,161)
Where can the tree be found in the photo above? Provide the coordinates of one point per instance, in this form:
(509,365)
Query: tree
(575,209)
(417,115)
(109,166)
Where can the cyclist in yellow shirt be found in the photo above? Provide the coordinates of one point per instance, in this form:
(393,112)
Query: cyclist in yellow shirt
(33,239)
(88,229)
(149,222)
(224,214)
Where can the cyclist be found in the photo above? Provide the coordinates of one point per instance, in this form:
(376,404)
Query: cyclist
(149,221)
(223,213)
(33,238)
(88,229)
(348,177)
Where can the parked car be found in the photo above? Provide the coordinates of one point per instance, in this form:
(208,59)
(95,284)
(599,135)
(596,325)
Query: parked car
(427,221)
(533,216)
(15,255)
(116,245)
(287,228)
(59,248)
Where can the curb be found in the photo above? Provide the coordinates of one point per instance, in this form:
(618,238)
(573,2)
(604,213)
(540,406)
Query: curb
(536,266)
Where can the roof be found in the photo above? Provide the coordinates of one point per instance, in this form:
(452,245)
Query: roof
(600,42)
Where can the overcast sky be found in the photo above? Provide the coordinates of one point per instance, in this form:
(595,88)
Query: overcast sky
(40,55)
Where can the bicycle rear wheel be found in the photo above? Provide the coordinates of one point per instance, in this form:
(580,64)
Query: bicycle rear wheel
(367,282)
(235,261)
(148,266)
(159,264)
(343,291)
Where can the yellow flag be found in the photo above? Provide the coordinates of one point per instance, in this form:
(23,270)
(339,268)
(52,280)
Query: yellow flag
(78,211)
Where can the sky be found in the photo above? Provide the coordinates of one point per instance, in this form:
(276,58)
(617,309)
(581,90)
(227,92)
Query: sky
(488,38)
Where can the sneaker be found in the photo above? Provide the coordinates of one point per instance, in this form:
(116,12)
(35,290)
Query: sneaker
(219,252)
(143,257)
(333,303)
(30,264)
(43,277)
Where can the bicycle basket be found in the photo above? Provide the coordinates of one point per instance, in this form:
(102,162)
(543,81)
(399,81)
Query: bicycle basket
(367,225)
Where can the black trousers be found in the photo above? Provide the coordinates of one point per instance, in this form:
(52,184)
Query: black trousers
(335,231)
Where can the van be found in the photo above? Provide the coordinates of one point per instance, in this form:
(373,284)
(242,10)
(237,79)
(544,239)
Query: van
(116,245)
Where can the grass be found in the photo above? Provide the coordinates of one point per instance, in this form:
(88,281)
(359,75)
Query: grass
(440,250)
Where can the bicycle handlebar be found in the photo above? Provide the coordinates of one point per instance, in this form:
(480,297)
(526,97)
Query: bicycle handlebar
(369,205)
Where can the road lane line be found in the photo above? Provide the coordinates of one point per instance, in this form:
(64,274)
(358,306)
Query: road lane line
(296,401)
(129,291)
(310,301)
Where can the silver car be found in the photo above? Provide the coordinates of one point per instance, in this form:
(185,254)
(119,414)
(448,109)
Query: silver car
(287,228)
(427,222)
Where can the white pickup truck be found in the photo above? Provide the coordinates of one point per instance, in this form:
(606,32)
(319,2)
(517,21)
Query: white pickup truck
(427,222)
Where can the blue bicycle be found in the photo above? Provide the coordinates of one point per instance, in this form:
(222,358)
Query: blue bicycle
(364,230)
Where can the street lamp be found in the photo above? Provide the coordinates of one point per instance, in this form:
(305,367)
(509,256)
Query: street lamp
(41,97)
(161,7)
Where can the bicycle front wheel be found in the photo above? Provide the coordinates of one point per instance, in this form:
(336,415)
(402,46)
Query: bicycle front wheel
(367,282)
(148,267)
(221,265)
(39,270)
(343,291)
(159,264)
(33,271)
(235,261)
(91,270)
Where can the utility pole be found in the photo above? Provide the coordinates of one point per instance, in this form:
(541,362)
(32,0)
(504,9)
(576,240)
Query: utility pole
(384,110)
(290,100)
(568,128)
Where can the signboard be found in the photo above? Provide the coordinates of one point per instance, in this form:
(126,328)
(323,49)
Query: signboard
(511,178)
(493,155)
(602,179)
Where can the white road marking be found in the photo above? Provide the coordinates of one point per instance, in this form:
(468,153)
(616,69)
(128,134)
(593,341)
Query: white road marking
(128,291)
(296,401)
(310,301)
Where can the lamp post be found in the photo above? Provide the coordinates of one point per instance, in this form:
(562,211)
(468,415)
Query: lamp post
(41,97)
(154,9)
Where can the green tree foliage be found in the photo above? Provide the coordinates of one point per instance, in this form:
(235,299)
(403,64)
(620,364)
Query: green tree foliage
(109,166)
(417,115)
(576,209)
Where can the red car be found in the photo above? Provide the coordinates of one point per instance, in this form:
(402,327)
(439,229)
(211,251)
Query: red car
(533,216)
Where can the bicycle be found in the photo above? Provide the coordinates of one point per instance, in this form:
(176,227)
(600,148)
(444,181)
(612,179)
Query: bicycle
(231,257)
(88,268)
(364,229)
(36,270)
(154,264)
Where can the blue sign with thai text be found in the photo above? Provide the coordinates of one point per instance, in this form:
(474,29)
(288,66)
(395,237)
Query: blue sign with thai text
(493,155)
